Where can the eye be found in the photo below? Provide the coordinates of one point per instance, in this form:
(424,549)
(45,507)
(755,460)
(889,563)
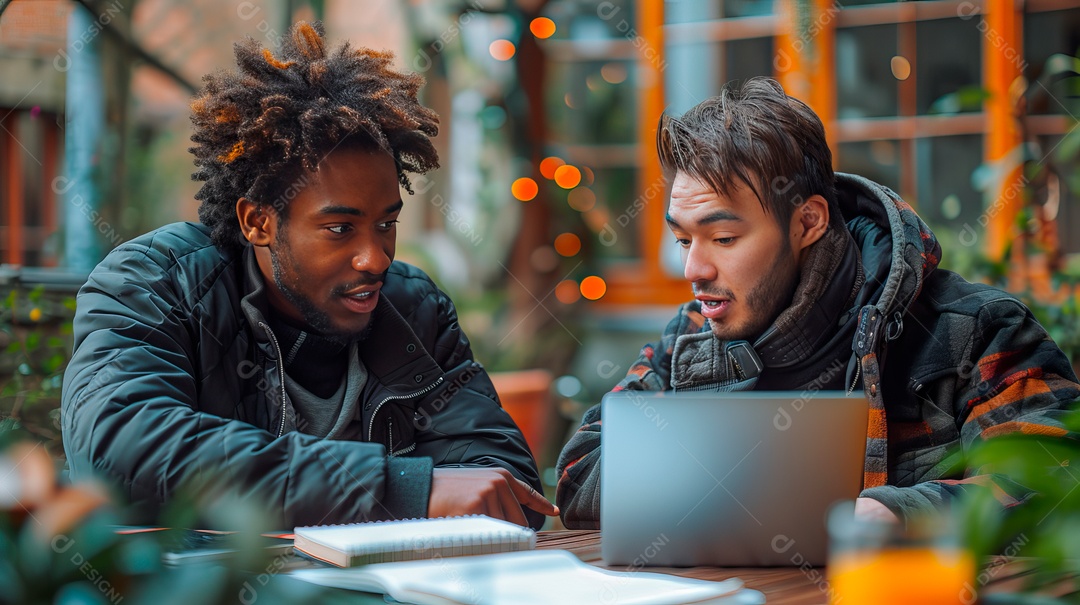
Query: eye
(685,243)
(725,241)
(387,225)
(339,229)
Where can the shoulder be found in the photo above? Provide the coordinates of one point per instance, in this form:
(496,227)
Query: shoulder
(946,293)
(179,257)
(409,289)
(173,244)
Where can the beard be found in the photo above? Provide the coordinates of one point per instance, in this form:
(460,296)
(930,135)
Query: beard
(286,276)
(765,301)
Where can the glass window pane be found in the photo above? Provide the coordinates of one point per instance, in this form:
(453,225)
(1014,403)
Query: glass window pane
(1058,187)
(744,8)
(876,160)
(947,200)
(949,57)
(1046,34)
(593,102)
(591,19)
(748,58)
(866,87)
(617,216)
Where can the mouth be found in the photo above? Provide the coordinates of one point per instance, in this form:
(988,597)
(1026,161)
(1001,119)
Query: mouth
(713,307)
(363,299)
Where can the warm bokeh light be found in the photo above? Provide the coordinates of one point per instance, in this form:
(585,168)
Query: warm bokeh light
(597,218)
(593,82)
(524,189)
(567,292)
(593,287)
(567,244)
(613,73)
(587,175)
(901,67)
(502,50)
(567,176)
(549,165)
(544,259)
(542,27)
(569,100)
(581,199)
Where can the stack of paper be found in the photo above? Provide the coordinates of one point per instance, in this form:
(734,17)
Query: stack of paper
(408,539)
(526,578)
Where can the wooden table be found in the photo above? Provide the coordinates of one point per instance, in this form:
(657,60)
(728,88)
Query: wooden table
(781,585)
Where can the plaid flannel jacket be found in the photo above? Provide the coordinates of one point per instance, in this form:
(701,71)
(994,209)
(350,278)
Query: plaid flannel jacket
(944,363)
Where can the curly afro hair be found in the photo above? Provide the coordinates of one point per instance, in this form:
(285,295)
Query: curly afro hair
(257,130)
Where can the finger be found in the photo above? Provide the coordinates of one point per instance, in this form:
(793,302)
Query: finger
(493,504)
(510,505)
(533,499)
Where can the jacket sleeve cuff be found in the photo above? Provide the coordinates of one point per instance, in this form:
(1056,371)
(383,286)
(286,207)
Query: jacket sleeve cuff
(408,487)
(905,502)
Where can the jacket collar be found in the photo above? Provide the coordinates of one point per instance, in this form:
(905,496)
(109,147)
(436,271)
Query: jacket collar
(803,339)
(391,352)
(890,230)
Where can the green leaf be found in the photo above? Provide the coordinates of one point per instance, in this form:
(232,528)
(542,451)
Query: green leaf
(1058,64)
(53,363)
(35,294)
(1069,147)
(969,98)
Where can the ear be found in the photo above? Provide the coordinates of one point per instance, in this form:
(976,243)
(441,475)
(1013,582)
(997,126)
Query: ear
(809,223)
(256,223)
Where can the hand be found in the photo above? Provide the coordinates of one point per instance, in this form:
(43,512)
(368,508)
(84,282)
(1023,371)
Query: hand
(484,491)
(868,509)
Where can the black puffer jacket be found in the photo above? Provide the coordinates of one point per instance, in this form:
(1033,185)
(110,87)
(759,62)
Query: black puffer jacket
(176,373)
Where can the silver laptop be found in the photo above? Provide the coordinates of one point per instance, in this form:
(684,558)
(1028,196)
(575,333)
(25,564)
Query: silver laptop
(726,479)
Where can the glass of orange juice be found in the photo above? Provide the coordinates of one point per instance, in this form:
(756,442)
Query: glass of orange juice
(892,563)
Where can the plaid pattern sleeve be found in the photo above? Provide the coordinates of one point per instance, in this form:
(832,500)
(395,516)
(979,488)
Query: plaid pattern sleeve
(578,492)
(1017,380)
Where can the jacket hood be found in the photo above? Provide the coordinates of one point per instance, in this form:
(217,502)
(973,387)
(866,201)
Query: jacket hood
(898,249)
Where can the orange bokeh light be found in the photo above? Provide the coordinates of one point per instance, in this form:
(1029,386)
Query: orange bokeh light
(567,176)
(567,244)
(581,199)
(567,292)
(548,166)
(593,287)
(502,50)
(524,189)
(542,27)
(587,175)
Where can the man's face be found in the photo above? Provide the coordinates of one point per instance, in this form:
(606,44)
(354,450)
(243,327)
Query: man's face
(328,259)
(739,261)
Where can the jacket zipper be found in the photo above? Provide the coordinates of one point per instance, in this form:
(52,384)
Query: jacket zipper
(427,389)
(281,369)
(858,370)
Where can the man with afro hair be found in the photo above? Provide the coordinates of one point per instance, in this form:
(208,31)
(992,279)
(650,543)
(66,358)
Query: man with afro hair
(277,348)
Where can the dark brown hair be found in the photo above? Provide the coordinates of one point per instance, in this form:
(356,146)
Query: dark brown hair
(755,134)
(258,129)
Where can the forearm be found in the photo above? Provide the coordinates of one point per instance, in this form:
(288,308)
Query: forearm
(578,468)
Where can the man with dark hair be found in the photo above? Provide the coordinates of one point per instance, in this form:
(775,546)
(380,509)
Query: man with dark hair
(811,273)
(278,347)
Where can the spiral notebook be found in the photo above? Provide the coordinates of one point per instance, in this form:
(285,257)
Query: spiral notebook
(410,539)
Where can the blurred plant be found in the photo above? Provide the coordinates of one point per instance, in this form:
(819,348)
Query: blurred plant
(1033,265)
(1045,526)
(35,345)
(59,544)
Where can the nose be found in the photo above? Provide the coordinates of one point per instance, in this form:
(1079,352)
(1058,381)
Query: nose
(696,265)
(371,257)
